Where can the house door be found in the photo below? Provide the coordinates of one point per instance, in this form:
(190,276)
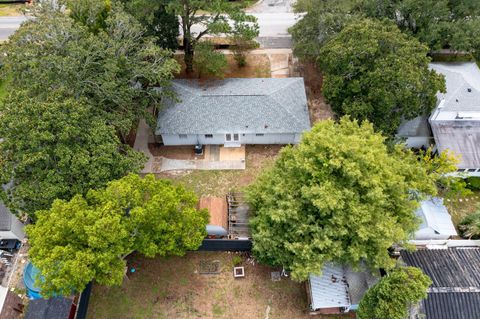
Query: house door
(232,139)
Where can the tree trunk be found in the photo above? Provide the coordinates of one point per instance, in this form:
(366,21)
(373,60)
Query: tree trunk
(188,55)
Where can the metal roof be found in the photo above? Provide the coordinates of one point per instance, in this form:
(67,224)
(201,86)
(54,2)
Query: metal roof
(453,267)
(451,305)
(463,90)
(435,220)
(339,286)
(330,289)
(250,105)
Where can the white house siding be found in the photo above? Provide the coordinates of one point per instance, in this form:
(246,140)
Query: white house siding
(219,139)
(460,137)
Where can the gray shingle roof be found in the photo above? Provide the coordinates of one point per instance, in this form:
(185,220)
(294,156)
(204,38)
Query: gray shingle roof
(257,105)
(5,218)
(460,78)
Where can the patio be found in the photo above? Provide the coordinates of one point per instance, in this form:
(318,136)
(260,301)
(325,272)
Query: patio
(215,157)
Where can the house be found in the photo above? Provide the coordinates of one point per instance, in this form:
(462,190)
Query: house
(232,112)
(53,308)
(416,133)
(455,122)
(338,289)
(11,229)
(436,222)
(455,273)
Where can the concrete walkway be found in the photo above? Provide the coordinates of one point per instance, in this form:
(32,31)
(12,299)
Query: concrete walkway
(144,135)
(162,164)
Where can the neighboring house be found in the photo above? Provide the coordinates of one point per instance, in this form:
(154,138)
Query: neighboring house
(232,112)
(10,227)
(338,290)
(416,133)
(455,122)
(455,273)
(53,308)
(436,221)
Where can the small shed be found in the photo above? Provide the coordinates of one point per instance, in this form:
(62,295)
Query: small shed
(10,226)
(436,222)
(416,133)
(338,289)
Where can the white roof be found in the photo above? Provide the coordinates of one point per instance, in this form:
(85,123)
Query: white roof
(330,289)
(462,99)
(436,221)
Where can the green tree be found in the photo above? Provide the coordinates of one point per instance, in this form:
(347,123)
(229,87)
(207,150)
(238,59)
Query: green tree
(470,225)
(394,294)
(212,17)
(154,17)
(208,61)
(374,72)
(55,149)
(341,195)
(91,13)
(117,70)
(322,21)
(88,238)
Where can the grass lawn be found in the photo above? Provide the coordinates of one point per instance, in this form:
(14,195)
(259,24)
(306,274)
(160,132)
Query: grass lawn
(174,288)
(463,206)
(11,9)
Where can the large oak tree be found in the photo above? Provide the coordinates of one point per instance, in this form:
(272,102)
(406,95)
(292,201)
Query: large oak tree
(375,72)
(341,195)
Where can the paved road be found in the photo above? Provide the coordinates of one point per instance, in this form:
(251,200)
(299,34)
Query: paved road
(272,6)
(273,26)
(8,25)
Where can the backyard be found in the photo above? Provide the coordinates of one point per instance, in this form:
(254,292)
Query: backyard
(174,288)
(220,182)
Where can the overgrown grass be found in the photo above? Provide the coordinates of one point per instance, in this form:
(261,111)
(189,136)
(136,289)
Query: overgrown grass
(11,9)
(461,207)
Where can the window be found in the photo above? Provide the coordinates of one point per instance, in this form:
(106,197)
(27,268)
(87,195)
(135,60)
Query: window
(208,135)
(228,137)
(259,134)
(182,136)
(236,138)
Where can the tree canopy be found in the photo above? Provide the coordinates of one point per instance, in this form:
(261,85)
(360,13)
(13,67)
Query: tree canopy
(393,295)
(373,71)
(209,17)
(87,238)
(117,69)
(341,195)
(56,148)
(153,15)
(440,24)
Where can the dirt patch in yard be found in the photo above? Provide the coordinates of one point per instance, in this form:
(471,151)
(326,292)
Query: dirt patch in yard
(186,152)
(258,66)
(319,109)
(174,288)
(219,183)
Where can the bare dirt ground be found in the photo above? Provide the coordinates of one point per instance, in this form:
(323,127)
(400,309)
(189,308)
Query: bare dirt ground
(319,109)
(186,152)
(258,66)
(174,288)
(219,183)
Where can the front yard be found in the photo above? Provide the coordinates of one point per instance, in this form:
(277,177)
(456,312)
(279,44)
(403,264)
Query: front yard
(174,288)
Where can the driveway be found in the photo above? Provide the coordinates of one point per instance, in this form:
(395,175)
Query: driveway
(8,25)
(272,6)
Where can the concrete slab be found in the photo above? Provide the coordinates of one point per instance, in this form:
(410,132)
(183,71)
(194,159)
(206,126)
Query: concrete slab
(144,134)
